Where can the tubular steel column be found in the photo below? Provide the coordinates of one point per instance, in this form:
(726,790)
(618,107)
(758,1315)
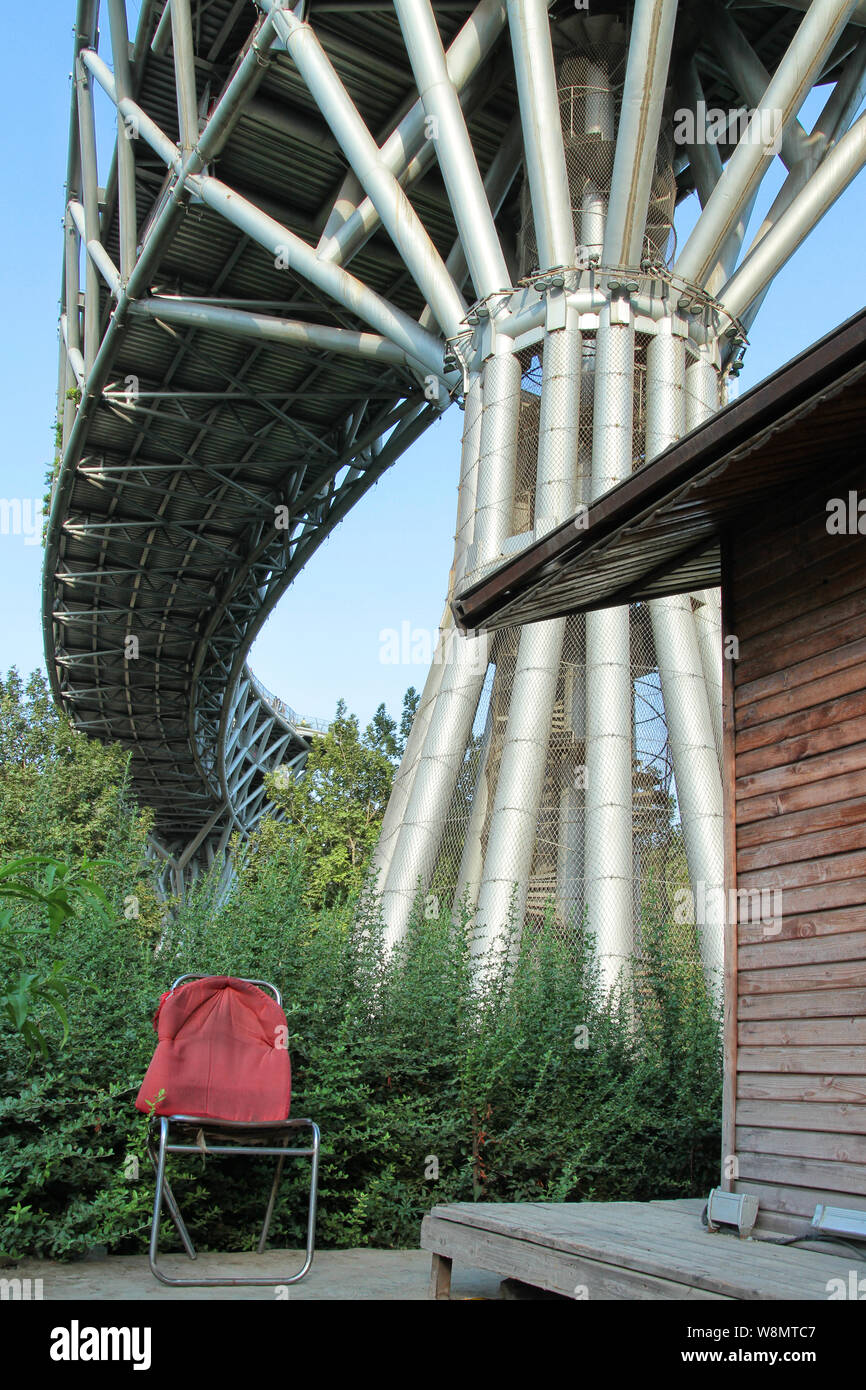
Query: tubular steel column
(90,199)
(420,834)
(512,834)
(125,157)
(687,714)
(642,99)
(513,822)
(608,846)
(405,778)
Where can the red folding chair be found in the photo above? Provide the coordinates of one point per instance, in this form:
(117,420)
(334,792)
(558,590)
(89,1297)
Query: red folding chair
(221,1072)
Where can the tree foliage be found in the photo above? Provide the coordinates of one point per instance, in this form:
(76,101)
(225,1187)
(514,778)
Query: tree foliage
(334,808)
(53,892)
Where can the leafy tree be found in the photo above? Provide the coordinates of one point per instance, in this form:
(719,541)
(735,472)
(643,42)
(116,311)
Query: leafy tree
(411,701)
(335,807)
(68,797)
(55,895)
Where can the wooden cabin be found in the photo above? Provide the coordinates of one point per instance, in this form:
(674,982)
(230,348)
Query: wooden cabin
(767,499)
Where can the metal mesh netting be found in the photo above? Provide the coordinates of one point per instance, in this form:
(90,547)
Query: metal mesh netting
(590,97)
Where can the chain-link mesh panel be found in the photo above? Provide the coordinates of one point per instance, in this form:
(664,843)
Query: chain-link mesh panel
(590,97)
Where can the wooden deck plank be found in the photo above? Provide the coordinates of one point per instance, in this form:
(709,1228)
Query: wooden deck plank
(630,1233)
(624,1250)
(552,1270)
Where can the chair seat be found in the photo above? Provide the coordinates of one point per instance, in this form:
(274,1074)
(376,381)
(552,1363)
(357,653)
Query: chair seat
(190,1126)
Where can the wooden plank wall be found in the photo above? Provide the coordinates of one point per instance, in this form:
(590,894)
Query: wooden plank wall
(796,600)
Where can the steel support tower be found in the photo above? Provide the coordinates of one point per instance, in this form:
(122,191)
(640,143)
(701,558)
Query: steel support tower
(503,180)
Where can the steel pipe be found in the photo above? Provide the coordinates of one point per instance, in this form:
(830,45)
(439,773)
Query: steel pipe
(470,47)
(472,858)
(453,148)
(396,212)
(184,74)
(608,852)
(76,361)
(413,858)
(639,125)
(265,327)
(503,170)
(95,250)
(845,99)
(332,279)
(706,165)
(467,488)
(833,122)
(601,123)
(127,216)
(465,662)
(687,713)
(404,778)
(514,818)
(829,181)
(749,75)
(90,196)
(542,131)
(497,461)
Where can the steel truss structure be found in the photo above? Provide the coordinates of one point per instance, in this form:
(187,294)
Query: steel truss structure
(502,178)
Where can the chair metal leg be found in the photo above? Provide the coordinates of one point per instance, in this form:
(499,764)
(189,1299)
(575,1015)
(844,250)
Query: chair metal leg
(162,1195)
(172,1206)
(271,1200)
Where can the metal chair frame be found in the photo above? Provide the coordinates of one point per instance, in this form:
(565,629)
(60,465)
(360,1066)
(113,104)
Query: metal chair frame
(160,1147)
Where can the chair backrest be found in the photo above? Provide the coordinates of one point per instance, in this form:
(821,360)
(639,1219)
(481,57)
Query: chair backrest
(222,1053)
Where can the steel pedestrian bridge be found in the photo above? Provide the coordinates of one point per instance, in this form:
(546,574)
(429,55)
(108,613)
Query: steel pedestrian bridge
(320,225)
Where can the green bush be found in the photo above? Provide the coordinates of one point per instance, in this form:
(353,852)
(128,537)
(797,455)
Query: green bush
(429,1084)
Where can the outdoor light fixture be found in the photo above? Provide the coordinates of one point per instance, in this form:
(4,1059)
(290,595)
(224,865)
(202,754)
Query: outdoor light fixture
(840,1221)
(731,1209)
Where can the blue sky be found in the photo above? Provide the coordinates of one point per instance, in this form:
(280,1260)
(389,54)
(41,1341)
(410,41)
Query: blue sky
(387,564)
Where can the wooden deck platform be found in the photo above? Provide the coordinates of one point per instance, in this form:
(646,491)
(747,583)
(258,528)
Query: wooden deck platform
(628,1250)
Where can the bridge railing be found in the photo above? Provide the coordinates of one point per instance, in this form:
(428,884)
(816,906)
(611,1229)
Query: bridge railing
(286,712)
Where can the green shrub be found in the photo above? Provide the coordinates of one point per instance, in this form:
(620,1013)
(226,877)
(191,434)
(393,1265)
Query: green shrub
(429,1084)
